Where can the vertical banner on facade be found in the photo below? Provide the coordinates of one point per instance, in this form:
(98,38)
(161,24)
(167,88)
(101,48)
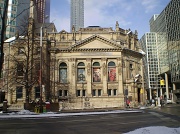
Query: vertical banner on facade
(81,74)
(112,74)
(96,75)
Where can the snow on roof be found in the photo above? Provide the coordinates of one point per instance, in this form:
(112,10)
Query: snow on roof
(142,52)
(12,39)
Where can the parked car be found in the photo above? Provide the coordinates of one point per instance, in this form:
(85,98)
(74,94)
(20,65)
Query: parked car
(168,101)
(178,101)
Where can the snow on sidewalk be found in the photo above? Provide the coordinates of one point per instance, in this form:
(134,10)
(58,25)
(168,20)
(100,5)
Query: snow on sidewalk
(28,114)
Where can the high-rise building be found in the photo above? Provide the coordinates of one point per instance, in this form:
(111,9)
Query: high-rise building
(22,16)
(77,14)
(151,64)
(43,10)
(18,14)
(11,17)
(166,26)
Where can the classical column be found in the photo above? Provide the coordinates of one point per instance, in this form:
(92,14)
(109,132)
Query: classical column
(160,91)
(88,76)
(174,88)
(120,76)
(104,76)
(167,86)
(150,94)
(54,74)
(142,88)
(72,76)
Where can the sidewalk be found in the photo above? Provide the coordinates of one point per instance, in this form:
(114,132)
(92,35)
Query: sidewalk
(171,109)
(28,114)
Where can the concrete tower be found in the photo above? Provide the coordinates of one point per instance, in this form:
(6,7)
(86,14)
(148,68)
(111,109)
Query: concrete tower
(77,14)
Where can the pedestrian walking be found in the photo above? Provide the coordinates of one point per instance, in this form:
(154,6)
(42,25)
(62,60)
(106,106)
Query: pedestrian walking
(128,103)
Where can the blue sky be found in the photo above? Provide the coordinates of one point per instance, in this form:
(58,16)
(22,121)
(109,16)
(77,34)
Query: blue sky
(133,14)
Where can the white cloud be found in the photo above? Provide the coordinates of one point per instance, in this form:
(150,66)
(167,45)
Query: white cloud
(106,13)
(62,21)
(149,5)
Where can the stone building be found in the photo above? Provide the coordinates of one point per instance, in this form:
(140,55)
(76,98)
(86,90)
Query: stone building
(91,68)
(96,68)
(23,73)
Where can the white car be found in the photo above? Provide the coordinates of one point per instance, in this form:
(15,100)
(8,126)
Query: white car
(169,101)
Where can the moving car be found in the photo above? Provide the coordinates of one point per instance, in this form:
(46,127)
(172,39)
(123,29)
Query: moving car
(169,101)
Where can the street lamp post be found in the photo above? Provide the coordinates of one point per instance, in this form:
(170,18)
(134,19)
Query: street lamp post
(40,82)
(81,76)
(41,58)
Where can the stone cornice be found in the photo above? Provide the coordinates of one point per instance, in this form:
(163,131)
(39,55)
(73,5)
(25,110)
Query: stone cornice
(132,52)
(95,37)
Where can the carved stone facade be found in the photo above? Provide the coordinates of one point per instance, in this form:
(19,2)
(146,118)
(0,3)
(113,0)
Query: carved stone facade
(90,68)
(97,65)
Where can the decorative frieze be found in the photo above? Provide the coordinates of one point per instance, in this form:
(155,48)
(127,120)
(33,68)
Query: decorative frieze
(89,69)
(71,59)
(104,59)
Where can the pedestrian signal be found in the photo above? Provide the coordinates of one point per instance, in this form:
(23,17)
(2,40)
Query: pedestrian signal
(162,83)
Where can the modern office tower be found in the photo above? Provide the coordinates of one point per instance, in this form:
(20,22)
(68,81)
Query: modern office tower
(149,45)
(77,14)
(18,14)
(166,26)
(11,17)
(22,16)
(43,10)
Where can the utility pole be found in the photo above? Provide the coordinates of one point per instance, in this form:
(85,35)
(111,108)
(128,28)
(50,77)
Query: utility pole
(3,16)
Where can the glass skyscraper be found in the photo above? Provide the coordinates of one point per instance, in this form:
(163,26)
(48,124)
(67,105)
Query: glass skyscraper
(77,14)
(18,14)
(43,10)
(165,27)
(11,17)
(149,45)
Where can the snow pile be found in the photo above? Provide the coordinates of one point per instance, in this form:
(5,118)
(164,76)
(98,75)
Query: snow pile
(155,130)
(22,112)
(143,108)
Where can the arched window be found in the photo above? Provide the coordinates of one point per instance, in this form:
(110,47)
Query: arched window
(63,72)
(81,72)
(96,72)
(111,71)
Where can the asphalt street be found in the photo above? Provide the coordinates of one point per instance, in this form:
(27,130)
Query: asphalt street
(98,124)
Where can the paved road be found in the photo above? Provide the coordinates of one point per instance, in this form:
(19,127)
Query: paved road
(89,124)
(172,109)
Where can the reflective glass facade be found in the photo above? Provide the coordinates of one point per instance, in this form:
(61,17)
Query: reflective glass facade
(149,45)
(172,14)
(167,27)
(11,17)
(43,10)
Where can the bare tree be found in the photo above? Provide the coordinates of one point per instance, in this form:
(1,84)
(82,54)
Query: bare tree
(3,15)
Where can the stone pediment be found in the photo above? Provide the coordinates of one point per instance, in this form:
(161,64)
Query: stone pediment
(63,31)
(96,42)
